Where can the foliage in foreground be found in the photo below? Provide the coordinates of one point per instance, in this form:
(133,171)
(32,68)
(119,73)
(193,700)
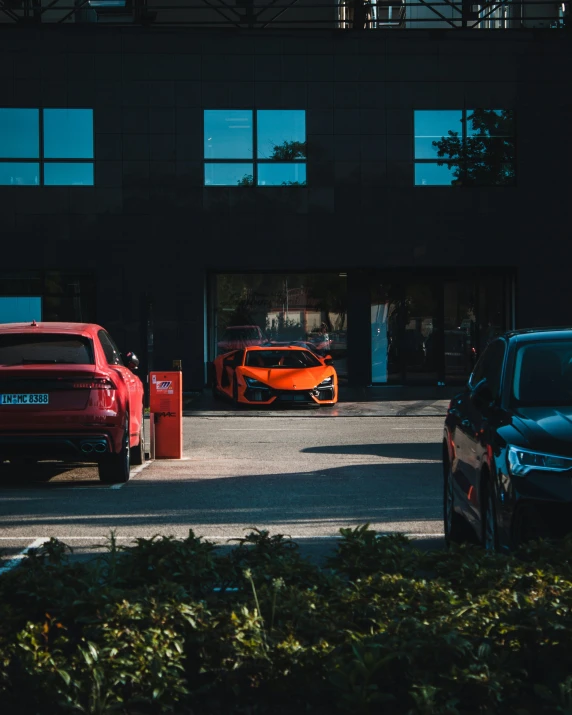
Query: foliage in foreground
(170,626)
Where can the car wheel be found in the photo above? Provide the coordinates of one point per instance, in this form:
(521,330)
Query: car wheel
(457,531)
(138,452)
(489,538)
(115,468)
(235,390)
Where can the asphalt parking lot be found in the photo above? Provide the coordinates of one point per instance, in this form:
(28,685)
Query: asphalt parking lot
(305,473)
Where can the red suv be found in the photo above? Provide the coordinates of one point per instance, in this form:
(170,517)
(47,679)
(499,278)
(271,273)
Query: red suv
(66,393)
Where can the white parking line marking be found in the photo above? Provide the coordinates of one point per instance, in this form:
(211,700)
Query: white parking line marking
(134,473)
(262,429)
(16,560)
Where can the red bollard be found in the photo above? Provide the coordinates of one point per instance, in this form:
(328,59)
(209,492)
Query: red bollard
(166,407)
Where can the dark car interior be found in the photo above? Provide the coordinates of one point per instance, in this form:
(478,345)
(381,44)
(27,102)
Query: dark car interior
(543,374)
(268,359)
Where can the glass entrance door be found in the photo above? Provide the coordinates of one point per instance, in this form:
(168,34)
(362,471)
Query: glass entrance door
(422,335)
(431,329)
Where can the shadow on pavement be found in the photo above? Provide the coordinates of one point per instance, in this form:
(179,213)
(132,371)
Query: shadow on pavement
(395,450)
(51,475)
(317,502)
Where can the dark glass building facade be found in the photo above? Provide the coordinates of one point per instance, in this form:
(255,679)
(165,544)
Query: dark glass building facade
(395,194)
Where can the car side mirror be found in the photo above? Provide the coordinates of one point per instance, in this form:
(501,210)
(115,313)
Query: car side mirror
(329,360)
(132,361)
(482,394)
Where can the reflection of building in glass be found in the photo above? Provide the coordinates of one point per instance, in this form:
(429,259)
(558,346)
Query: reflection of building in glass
(308,308)
(193,177)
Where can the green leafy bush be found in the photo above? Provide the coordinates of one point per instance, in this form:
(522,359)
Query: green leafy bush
(177,626)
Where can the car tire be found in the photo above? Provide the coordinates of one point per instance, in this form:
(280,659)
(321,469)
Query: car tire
(138,452)
(115,468)
(456,528)
(489,527)
(235,390)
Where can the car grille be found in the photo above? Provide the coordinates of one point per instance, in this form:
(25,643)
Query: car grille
(326,393)
(294,396)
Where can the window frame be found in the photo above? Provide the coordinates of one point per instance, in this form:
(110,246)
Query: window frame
(41,161)
(254,160)
(463,163)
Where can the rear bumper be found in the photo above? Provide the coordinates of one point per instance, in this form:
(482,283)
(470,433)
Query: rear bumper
(77,447)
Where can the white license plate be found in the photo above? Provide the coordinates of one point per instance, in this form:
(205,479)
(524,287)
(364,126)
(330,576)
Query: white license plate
(25,399)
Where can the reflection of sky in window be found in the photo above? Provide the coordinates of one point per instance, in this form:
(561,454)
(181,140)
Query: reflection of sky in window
(19,134)
(68,133)
(228,134)
(21,309)
(277,174)
(432,125)
(277,126)
(15,174)
(226,174)
(76,174)
(433,175)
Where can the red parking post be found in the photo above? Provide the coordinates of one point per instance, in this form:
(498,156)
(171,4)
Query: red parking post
(166,407)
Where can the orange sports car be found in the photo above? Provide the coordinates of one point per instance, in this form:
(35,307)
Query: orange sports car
(268,374)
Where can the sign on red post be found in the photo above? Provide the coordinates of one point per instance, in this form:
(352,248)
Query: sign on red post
(166,407)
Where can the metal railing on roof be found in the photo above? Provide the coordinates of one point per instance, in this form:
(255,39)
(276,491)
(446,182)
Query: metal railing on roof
(298,14)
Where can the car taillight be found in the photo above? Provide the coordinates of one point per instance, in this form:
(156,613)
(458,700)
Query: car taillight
(96,383)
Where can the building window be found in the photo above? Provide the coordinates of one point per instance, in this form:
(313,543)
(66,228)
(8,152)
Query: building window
(50,147)
(255,148)
(20,309)
(468,147)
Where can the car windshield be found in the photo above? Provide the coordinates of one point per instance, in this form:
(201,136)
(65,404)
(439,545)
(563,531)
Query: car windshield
(45,349)
(296,359)
(543,374)
(241,334)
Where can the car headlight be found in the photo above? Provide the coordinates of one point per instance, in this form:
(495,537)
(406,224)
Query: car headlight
(328,382)
(523,461)
(251,382)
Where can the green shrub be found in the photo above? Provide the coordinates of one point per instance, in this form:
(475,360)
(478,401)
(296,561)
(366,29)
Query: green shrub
(177,626)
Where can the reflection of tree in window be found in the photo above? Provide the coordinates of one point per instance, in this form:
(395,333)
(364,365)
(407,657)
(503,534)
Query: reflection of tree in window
(247,180)
(288,151)
(485,156)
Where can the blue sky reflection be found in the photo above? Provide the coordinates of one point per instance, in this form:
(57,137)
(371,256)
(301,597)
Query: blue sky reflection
(228,134)
(68,133)
(276,174)
(432,125)
(76,174)
(276,127)
(19,174)
(19,133)
(226,174)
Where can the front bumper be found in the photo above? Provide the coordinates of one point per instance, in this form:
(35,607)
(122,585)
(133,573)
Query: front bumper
(269,396)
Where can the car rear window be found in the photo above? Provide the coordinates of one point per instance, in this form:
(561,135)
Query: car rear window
(281,358)
(45,349)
